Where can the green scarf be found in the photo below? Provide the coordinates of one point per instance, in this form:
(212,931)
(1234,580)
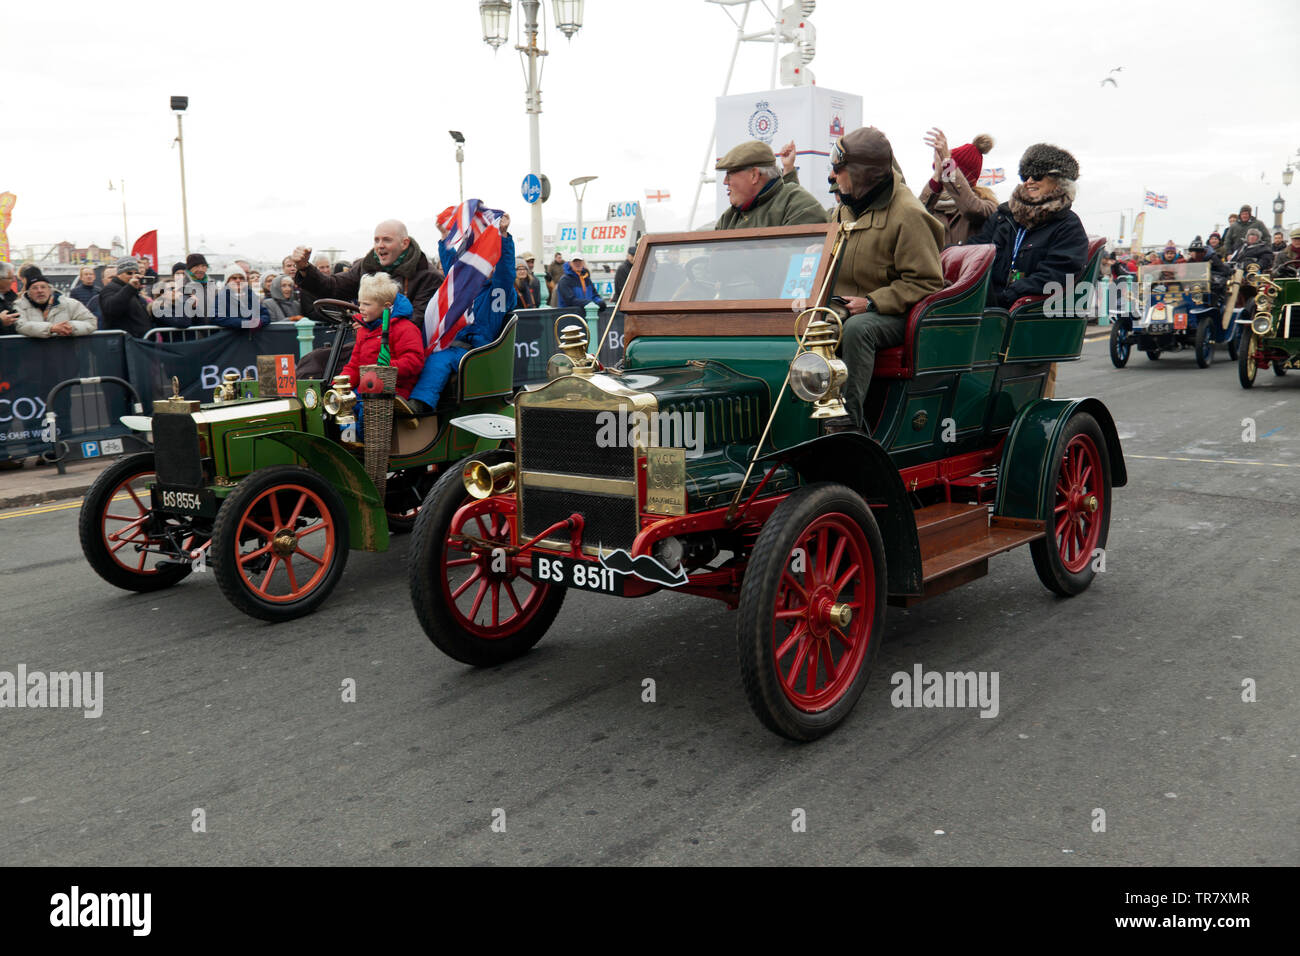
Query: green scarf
(384,358)
(404,266)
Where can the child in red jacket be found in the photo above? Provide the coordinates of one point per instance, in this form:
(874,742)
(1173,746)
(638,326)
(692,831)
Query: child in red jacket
(378,293)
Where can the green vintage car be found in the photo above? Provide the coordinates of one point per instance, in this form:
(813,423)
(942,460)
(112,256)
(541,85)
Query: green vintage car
(705,465)
(1271,336)
(265,487)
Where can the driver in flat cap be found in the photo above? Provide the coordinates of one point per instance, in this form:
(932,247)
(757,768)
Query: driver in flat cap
(759,196)
(890,260)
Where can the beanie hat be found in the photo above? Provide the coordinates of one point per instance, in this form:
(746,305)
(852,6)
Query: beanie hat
(127,262)
(1044,159)
(235,270)
(33,275)
(970,158)
(177,267)
(1213,235)
(195,259)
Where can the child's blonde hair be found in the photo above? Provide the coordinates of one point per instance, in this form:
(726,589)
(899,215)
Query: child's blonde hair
(379,287)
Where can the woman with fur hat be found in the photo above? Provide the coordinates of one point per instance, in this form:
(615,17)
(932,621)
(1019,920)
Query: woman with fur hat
(955,197)
(1040,240)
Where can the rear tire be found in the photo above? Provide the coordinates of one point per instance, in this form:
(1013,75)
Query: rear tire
(1080,519)
(117,560)
(500,619)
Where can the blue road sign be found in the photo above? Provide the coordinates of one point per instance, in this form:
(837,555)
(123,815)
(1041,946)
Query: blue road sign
(90,449)
(531,188)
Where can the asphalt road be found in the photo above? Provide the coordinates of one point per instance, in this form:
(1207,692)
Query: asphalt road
(1126,699)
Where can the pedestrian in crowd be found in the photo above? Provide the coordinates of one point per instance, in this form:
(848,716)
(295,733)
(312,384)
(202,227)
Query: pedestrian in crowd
(524,287)
(1235,237)
(395,253)
(267,290)
(489,311)
(759,195)
(1232,220)
(1279,242)
(1169,255)
(120,300)
(1253,249)
(890,261)
(265,284)
(168,305)
(200,292)
(534,284)
(86,292)
(1287,261)
(1214,241)
(953,195)
(624,269)
(554,273)
(576,288)
(8,296)
(43,312)
(255,283)
(284,295)
(1040,240)
(288,267)
(106,274)
(239,307)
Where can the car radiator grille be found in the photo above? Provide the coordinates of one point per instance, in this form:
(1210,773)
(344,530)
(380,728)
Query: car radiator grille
(176,450)
(561,443)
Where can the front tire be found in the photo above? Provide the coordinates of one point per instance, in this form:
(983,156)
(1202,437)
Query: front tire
(472,611)
(1204,345)
(1279,368)
(1153,354)
(1246,367)
(280,543)
(117,527)
(818,557)
(1080,519)
(1120,350)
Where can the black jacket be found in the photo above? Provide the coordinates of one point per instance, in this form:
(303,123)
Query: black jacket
(124,309)
(1260,252)
(87,295)
(1057,248)
(620,277)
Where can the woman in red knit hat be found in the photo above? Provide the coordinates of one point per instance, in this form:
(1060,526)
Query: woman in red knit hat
(954,195)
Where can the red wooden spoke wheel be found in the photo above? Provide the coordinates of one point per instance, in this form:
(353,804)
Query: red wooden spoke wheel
(477,603)
(1080,517)
(280,543)
(812,610)
(121,537)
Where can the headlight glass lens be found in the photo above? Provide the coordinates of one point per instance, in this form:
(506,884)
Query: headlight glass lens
(1260,323)
(810,376)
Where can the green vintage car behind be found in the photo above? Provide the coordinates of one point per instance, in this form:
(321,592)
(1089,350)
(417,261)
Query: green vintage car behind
(1271,337)
(705,465)
(263,487)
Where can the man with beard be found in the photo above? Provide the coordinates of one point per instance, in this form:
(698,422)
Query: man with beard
(1040,240)
(890,260)
(395,253)
(44,313)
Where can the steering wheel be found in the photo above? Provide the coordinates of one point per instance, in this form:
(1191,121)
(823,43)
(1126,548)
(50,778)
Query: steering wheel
(335,311)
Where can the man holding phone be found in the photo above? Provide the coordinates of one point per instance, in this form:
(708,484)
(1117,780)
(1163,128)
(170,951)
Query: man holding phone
(121,303)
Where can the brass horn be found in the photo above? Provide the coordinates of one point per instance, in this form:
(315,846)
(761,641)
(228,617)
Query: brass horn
(483,481)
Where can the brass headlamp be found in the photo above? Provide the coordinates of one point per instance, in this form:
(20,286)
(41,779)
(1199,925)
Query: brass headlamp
(816,374)
(228,390)
(1262,322)
(573,357)
(340,401)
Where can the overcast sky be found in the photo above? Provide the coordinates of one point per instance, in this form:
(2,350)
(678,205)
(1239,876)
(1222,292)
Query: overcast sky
(311,122)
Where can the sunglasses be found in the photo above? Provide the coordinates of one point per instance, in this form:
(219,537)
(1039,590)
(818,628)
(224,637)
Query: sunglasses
(838,158)
(1041,176)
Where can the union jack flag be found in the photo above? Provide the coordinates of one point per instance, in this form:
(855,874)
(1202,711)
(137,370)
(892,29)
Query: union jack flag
(476,242)
(991,177)
(1154,199)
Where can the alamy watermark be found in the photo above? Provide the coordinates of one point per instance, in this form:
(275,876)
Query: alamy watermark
(75,909)
(922,688)
(77,690)
(637,429)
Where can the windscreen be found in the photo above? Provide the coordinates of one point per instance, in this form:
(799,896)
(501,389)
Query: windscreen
(774,267)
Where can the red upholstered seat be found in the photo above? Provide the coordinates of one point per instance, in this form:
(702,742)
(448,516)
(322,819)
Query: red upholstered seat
(963,268)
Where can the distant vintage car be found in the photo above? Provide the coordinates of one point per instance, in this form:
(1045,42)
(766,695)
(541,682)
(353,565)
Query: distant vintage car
(704,465)
(264,486)
(1271,336)
(1177,311)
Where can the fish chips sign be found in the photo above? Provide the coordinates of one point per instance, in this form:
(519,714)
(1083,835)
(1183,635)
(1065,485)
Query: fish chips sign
(603,240)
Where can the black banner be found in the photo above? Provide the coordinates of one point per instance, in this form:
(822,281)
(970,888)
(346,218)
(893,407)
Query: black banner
(535,342)
(199,365)
(29,370)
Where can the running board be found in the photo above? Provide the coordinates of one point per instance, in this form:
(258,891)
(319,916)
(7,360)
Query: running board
(965,559)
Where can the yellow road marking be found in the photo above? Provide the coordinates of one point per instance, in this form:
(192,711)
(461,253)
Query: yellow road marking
(1218,461)
(48,508)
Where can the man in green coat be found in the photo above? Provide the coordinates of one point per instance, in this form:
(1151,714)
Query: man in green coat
(759,195)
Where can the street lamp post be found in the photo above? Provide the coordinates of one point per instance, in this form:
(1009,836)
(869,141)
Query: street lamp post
(495,15)
(581,181)
(180,104)
(459,140)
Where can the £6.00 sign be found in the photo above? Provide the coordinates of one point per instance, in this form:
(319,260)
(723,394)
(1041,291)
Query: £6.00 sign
(622,210)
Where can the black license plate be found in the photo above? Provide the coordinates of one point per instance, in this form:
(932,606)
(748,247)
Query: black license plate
(570,573)
(186,501)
